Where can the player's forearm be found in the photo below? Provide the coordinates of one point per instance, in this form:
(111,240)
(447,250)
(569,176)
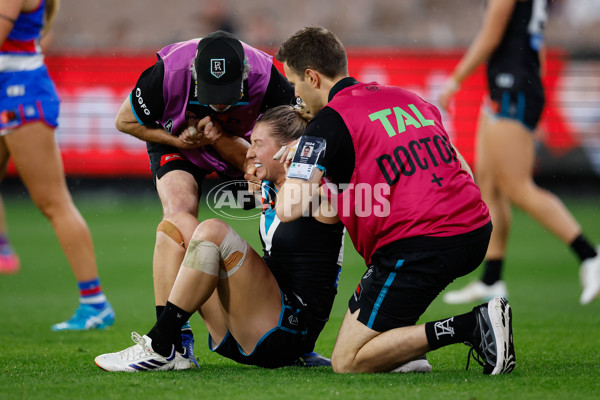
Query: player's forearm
(480,51)
(10,10)
(326,213)
(475,56)
(155,135)
(487,40)
(233,150)
(289,205)
(298,198)
(6,26)
(127,122)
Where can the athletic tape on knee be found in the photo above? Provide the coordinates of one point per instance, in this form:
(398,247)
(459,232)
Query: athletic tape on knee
(233,253)
(202,255)
(171,231)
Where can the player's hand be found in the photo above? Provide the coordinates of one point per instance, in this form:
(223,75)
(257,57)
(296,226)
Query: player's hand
(253,180)
(200,133)
(449,89)
(286,154)
(190,134)
(210,130)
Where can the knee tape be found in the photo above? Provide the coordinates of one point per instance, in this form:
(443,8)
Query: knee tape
(171,231)
(222,261)
(203,256)
(233,253)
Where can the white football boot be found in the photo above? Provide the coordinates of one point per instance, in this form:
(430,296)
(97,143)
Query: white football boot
(419,365)
(589,275)
(141,357)
(476,291)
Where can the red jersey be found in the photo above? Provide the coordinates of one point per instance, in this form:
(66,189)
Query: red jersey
(407,180)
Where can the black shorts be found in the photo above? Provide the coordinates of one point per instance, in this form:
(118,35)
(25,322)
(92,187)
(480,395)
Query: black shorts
(400,284)
(279,347)
(524,103)
(165,159)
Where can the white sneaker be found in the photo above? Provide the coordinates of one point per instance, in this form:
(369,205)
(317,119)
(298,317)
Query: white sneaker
(140,357)
(418,365)
(589,275)
(476,291)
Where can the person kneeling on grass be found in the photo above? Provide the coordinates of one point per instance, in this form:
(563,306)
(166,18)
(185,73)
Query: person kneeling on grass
(411,207)
(264,311)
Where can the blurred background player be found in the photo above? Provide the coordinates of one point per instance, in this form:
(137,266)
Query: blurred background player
(28,118)
(265,311)
(218,86)
(511,42)
(9,261)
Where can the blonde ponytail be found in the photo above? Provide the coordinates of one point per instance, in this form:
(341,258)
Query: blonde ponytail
(287,123)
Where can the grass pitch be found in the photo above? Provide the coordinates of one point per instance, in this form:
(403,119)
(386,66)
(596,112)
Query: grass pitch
(556,339)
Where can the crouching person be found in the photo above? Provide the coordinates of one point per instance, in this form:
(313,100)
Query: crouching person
(266,311)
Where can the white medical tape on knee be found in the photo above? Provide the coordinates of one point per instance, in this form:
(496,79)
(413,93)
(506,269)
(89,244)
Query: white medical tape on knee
(204,256)
(233,253)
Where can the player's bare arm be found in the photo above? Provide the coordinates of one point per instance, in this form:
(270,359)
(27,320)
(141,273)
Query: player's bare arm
(232,149)
(326,213)
(489,37)
(126,122)
(297,196)
(11,10)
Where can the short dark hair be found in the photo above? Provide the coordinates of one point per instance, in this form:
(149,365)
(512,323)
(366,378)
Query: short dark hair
(316,48)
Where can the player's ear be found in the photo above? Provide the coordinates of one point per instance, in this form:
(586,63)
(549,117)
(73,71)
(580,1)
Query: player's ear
(312,77)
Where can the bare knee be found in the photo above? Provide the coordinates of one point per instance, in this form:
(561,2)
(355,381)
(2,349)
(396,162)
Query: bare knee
(216,249)
(52,207)
(339,364)
(521,194)
(345,362)
(178,227)
(347,366)
(213,230)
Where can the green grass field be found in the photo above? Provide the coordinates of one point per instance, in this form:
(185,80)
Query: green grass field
(556,339)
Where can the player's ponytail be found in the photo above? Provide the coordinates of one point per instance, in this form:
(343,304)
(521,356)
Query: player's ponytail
(303,112)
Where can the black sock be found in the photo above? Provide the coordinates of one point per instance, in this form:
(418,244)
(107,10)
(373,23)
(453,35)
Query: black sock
(167,330)
(457,329)
(583,248)
(493,271)
(159,310)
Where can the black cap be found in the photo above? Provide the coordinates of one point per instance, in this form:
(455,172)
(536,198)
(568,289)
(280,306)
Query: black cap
(219,68)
